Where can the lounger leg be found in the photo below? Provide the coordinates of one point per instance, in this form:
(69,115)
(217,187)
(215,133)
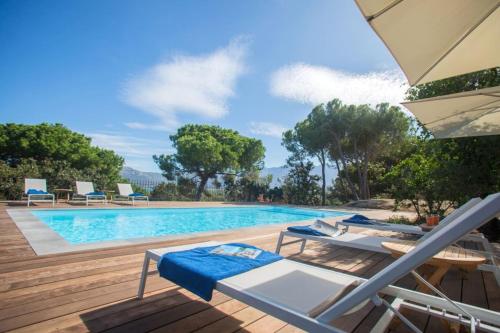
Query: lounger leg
(280,240)
(28,200)
(490,254)
(303,245)
(144,276)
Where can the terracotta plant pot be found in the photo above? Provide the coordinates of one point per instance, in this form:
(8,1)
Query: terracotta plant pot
(432,220)
(429,219)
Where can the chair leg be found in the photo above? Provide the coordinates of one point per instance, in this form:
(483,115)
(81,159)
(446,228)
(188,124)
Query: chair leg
(490,254)
(303,245)
(144,276)
(280,241)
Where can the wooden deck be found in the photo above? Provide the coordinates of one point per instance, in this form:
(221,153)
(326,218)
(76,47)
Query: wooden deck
(94,291)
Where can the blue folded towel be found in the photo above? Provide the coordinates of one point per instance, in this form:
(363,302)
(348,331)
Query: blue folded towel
(198,270)
(33,191)
(96,193)
(306,230)
(138,194)
(359,219)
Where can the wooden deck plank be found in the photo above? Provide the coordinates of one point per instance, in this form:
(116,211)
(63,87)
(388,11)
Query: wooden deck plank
(264,324)
(235,322)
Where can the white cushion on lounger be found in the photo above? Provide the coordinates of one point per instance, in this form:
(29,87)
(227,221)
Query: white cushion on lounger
(291,284)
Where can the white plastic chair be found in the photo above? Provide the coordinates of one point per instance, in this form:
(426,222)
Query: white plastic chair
(84,191)
(40,185)
(126,192)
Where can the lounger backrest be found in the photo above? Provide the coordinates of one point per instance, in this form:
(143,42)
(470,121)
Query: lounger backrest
(445,236)
(125,189)
(452,216)
(35,184)
(83,188)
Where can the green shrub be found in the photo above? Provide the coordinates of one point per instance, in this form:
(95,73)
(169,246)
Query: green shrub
(399,219)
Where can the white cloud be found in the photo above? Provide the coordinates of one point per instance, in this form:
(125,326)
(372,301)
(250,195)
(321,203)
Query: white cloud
(199,85)
(313,85)
(268,129)
(130,146)
(137,125)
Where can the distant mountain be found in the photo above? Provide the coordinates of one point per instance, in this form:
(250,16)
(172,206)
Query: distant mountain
(278,173)
(137,176)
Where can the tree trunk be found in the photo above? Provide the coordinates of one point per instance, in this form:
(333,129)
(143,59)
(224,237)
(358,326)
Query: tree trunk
(344,165)
(201,187)
(341,180)
(322,161)
(358,171)
(365,176)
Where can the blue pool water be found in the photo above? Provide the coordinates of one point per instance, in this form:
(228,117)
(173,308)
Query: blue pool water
(79,226)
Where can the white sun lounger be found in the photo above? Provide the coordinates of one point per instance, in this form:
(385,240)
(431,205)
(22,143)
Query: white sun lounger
(374,243)
(37,185)
(360,241)
(290,291)
(403,228)
(125,191)
(83,190)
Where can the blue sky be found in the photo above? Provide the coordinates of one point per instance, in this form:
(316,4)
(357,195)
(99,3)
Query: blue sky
(128,73)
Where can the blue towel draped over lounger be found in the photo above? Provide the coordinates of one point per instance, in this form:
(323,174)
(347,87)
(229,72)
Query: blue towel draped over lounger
(360,219)
(306,230)
(198,270)
(136,195)
(33,191)
(95,193)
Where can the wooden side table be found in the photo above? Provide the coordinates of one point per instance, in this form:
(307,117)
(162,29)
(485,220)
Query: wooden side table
(60,193)
(109,194)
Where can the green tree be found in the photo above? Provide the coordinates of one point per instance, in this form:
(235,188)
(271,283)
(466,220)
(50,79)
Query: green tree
(311,136)
(425,176)
(359,135)
(299,186)
(204,151)
(338,125)
(246,187)
(56,153)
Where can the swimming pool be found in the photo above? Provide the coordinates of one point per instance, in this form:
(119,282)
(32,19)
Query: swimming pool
(81,226)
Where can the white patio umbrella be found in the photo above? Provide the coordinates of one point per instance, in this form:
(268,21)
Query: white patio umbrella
(471,113)
(436,39)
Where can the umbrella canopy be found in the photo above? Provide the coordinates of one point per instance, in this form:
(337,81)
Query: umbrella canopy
(470,113)
(436,39)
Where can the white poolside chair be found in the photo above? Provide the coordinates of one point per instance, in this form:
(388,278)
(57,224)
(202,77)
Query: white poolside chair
(36,191)
(374,243)
(125,191)
(85,191)
(292,291)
